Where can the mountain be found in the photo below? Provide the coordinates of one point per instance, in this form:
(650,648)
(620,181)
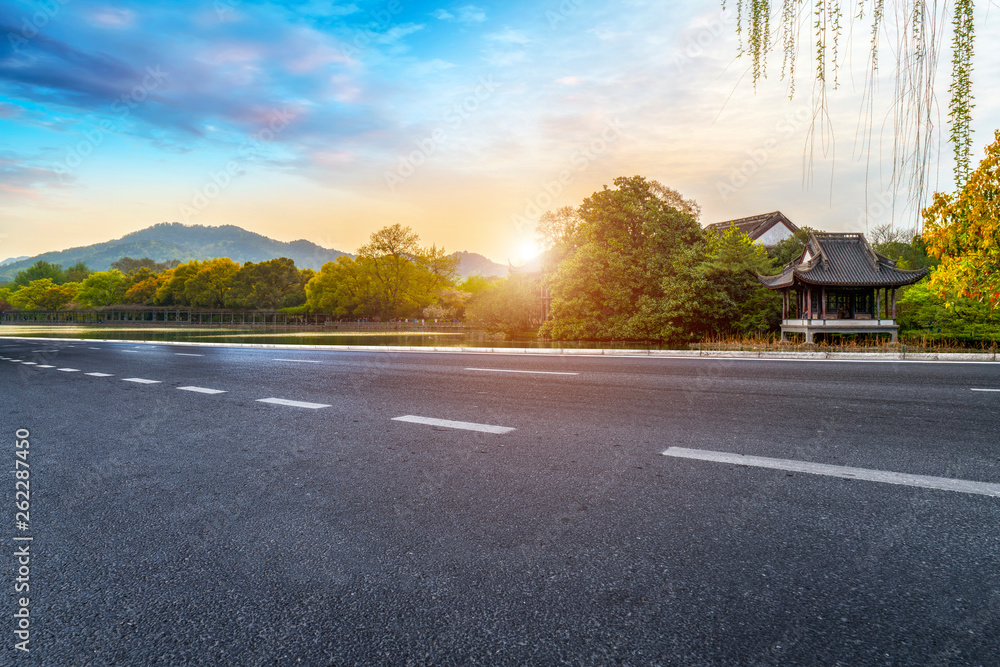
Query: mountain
(172,240)
(11,260)
(474,264)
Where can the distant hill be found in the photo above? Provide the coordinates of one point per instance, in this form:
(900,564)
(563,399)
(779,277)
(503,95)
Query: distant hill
(172,240)
(474,264)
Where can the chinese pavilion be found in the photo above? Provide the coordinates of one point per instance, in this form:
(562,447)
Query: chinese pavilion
(840,285)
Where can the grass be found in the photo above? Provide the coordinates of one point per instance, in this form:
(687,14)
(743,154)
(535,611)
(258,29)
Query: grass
(908,342)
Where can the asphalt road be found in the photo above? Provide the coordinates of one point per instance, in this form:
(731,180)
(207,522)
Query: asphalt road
(172,526)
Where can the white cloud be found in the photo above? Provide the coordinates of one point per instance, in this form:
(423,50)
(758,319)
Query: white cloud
(442,14)
(509,36)
(471,14)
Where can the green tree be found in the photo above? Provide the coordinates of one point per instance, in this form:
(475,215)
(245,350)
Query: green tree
(173,286)
(209,287)
(344,288)
(105,288)
(40,270)
(42,294)
(509,306)
(269,285)
(77,273)
(735,300)
(626,271)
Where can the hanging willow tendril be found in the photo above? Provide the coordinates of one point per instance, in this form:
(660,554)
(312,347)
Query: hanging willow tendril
(918,27)
(960,108)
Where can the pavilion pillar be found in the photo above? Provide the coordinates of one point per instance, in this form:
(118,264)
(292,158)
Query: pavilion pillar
(822,302)
(893,303)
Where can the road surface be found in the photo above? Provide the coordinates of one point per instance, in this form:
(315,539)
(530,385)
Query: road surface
(208,505)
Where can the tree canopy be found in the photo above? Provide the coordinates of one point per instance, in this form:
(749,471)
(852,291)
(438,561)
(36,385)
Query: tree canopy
(963,232)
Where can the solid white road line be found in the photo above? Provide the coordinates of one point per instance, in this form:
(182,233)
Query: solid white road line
(141,380)
(202,390)
(99,375)
(974,389)
(69,370)
(294,404)
(504,370)
(300,361)
(185,354)
(467,426)
(845,472)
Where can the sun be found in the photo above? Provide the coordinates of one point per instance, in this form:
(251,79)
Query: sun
(527,250)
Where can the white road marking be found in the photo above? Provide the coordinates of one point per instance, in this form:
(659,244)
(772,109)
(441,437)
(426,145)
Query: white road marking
(300,361)
(845,472)
(30,363)
(504,370)
(69,370)
(202,390)
(45,366)
(974,389)
(141,380)
(93,348)
(186,354)
(136,351)
(294,404)
(467,426)
(99,375)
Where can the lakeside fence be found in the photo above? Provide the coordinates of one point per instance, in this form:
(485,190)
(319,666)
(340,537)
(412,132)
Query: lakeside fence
(222,318)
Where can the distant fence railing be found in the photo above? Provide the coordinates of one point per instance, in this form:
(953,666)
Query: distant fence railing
(192,316)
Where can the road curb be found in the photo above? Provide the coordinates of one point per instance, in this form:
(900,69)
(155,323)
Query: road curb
(943,357)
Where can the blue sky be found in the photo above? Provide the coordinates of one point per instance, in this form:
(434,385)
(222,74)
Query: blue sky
(328,120)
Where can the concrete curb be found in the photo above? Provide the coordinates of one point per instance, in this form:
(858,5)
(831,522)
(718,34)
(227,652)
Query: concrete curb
(943,357)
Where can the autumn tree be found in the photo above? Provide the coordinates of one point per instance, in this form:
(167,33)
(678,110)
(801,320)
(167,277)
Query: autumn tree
(963,232)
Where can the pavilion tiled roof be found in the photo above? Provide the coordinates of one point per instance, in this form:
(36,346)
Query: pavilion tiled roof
(755,225)
(843,260)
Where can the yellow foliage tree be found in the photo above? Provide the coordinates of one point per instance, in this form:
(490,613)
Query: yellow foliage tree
(963,231)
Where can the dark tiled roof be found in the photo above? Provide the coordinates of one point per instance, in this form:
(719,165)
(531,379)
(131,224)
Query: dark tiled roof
(844,260)
(755,225)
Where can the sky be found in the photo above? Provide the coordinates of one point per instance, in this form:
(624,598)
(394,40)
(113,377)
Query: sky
(329,120)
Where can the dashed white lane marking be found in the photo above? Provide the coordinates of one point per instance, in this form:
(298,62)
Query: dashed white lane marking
(93,348)
(845,472)
(504,370)
(974,389)
(30,363)
(187,354)
(99,375)
(447,423)
(300,361)
(141,380)
(202,390)
(294,404)
(45,366)
(69,370)
(135,351)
